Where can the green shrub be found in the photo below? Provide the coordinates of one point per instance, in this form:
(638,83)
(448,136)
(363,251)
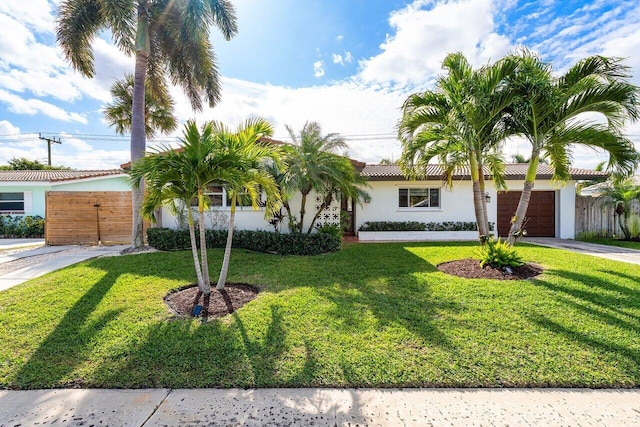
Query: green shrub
(167,239)
(420,226)
(499,254)
(633,223)
(21,226)
(331,229)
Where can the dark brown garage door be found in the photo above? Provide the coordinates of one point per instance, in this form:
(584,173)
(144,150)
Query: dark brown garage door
(541,213)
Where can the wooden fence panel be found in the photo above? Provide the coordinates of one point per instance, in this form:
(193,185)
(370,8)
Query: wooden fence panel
(88,217)
(593,217)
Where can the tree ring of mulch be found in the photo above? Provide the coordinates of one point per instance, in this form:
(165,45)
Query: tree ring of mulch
(221,303)
(470,269)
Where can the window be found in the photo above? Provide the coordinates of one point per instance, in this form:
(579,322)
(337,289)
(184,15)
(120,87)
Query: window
(218,198)
(419,197)
(12,202)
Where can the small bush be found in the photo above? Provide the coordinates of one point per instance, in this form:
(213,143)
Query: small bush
(167,239)
(420,226)
(21,226)
(331,229)
(499,254)
(633,223)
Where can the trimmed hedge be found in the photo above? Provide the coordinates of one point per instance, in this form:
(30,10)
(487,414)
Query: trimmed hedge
(420,226)
(167,239)
(21,226)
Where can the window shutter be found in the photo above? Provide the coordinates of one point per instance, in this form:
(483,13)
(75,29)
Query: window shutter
(28,202)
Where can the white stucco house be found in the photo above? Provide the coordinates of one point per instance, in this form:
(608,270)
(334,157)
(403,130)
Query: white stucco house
(391,197)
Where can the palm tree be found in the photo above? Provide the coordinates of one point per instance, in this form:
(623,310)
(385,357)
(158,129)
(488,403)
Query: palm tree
(169,39)
(461,124)
(620,195)
(547,113)
(312,165)
(177,177)
(158,108)
(242,161)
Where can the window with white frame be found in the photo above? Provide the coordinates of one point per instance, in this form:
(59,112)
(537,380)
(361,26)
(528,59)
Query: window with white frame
(12,202)
(419,197)
(218,198)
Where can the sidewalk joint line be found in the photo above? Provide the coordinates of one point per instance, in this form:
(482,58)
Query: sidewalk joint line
(157,407)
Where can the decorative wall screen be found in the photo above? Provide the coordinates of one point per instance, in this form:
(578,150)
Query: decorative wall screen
(331,215)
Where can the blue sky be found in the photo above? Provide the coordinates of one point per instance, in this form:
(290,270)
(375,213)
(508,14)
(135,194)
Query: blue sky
(347,64)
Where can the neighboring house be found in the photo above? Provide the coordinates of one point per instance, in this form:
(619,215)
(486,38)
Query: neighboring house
(23,192)
(596,190)
(78,206)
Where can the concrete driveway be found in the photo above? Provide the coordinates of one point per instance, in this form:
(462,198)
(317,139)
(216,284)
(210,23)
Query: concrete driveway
(26,259)
(603,251)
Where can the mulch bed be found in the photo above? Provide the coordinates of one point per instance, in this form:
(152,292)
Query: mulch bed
(470,269)
(226,301)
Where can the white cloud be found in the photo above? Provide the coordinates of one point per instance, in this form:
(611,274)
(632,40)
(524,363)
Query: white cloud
(339,37)
(423,37)
(318,69)
(6,128)
(342,60)
(348,58)
(348,108)
(34,106)
(37,13)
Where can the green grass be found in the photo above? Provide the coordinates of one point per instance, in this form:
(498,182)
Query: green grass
(371,315)
(614,242)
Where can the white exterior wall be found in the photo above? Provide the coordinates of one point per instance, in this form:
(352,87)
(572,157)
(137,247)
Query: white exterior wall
(246,217)
(456,204)
(218,218)
(565,204)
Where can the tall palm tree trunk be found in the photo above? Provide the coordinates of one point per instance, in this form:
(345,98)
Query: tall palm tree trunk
(203,241)
(138,142)
(194,252)
(303,205)
(523,203)
(478,198)
(227,249)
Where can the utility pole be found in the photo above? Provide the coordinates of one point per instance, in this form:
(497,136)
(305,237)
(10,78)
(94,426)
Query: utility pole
(49,142)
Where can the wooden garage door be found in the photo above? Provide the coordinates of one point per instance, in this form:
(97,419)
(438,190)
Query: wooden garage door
(541,213)
(84,217)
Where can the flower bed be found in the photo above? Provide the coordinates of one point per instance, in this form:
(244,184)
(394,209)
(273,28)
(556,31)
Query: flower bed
(413,231)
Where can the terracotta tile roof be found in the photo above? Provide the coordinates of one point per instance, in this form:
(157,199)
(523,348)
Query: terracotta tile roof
(513,171)
(55,175)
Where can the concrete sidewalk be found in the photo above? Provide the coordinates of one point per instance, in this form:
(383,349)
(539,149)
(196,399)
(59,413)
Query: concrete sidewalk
(20,243)
(603,251)
(60,257)
(321,407)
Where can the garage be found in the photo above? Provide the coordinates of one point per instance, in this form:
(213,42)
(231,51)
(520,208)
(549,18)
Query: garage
(540,218)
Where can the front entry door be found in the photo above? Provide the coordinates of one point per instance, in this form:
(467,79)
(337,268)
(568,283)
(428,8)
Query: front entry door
(347,216)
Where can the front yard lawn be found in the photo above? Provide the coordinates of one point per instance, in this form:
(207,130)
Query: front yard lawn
(371,315)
